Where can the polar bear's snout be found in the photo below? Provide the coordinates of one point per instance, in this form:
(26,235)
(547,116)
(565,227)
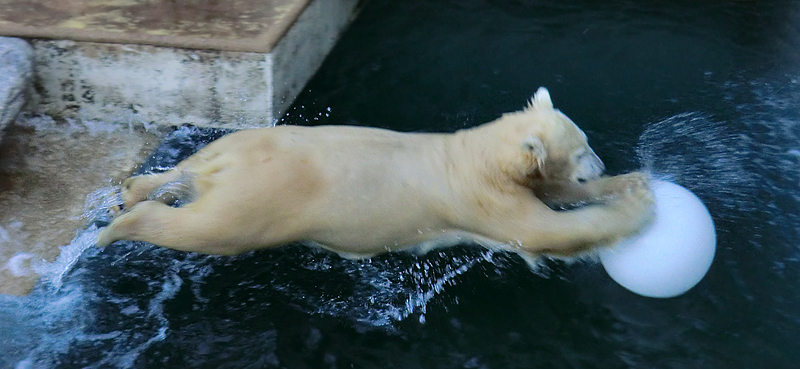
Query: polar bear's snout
(588,167)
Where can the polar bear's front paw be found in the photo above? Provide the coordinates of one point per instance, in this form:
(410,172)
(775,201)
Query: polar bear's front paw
(626,184)
(633,201)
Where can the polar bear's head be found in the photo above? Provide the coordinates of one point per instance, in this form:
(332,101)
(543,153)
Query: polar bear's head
(545,144)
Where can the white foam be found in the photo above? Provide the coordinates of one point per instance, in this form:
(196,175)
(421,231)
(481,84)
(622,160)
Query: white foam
(4,237)
(12,230)
(17,264)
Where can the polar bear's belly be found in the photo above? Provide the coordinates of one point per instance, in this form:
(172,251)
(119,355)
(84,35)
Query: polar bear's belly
(367,203)
(373,218)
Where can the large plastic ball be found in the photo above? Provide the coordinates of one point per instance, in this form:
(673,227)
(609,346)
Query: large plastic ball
(673,253)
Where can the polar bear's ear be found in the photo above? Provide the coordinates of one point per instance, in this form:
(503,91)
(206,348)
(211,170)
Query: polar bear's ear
(535,146)
(541,99)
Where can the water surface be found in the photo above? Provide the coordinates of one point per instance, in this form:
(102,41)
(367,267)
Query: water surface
(704,94)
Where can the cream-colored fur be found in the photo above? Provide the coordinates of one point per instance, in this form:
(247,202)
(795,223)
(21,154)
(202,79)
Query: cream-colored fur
(363,191)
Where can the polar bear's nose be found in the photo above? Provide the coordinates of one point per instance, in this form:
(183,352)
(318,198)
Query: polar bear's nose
(588,167)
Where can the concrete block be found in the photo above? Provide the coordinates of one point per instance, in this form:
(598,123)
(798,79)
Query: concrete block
(16,72)
(136,83)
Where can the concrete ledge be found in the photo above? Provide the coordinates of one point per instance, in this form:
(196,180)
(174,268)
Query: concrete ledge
(234,25)
(134,83)
(16,73)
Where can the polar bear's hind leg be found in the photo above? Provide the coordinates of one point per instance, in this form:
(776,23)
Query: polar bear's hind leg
(160,224)
(181,189)
(137,189)
(165,187)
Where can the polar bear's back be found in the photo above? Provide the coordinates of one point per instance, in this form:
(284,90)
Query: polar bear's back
(374,187)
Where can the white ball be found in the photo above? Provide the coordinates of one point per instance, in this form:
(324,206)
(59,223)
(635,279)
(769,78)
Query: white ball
(673,253)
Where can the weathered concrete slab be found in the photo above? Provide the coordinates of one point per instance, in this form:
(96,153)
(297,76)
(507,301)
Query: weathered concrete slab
(170,76)
(16,73)
(232,25)
(148,84)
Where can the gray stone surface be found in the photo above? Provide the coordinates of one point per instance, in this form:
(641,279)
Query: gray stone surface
(16,71)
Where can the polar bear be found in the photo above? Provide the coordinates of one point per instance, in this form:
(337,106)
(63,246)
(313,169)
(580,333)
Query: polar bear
(363,191)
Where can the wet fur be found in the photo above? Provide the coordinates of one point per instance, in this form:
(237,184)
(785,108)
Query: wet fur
(363,191)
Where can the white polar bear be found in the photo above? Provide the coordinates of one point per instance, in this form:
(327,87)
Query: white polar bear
(363,191)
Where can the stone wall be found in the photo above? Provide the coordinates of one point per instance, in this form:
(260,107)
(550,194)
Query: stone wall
(16,71)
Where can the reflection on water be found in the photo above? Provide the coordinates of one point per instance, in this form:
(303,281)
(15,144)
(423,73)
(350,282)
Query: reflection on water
(724,125)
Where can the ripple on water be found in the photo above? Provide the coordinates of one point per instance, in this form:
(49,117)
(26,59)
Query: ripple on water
(106,308)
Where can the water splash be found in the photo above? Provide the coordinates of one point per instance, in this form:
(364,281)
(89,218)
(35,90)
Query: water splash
(53,273)
(60,315)
(702,155)
(747,169)
(98,202)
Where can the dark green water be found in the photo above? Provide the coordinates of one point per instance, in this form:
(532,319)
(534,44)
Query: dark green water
(706,94)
